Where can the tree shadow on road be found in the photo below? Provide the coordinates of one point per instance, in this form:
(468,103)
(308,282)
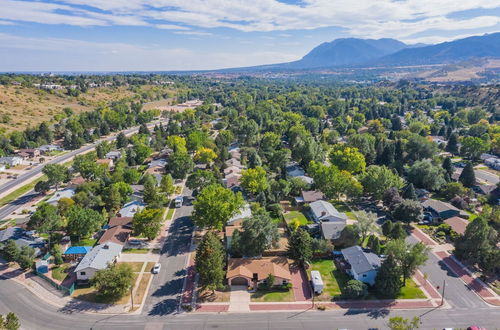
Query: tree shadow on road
(169,304)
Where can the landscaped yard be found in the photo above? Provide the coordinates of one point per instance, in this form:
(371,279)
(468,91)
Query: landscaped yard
(289,216)
(136,266)
(333,279)
(59,273)
(85,242)
(90,294)
(136,250)
(343,208)
(205,296)
(411,291)
(266,296)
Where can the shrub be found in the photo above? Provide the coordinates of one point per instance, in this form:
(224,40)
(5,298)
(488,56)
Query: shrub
(355,289)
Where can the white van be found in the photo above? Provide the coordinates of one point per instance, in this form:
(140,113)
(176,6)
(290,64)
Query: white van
(178,201)
(317,282)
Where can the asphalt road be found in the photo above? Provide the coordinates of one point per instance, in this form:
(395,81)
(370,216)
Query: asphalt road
(457,294)
(38,169)
(164,294)
(35,314)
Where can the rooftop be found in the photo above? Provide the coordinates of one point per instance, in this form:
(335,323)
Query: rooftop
(100,256)
(322,209)
(360,261)
(278,266)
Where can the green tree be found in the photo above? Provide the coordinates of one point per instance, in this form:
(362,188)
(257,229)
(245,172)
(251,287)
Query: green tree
(424,174)
(121,140)
(167,184)
(46,218)
(57,253)
(388,279)
(398,231)
(199,179)
(83,222)
(452,189)
(452,145)
(468,177)
(11,251)
(42,187)
(300,246)
(113,282)
(11,322)
(215,205)
(387,227)
(419,147)
(209,261)
(56,174)
(26,257)
(476,241)
(347,158)
(205,155)
(366,223)
(407,256)
(400,323)
(180,164)
(349,236)
(334,182)
(259,233)
(374,244)
(448,166)
(147,222)
(408,211)
(254,180)
(409,192)
(270,281)
(473,147)
(355,289)
(377,179)
(64,204)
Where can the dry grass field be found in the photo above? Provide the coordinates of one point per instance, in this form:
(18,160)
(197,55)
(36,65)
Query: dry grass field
(21,107)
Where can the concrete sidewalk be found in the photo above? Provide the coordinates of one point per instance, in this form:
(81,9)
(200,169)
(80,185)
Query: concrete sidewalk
(240,299)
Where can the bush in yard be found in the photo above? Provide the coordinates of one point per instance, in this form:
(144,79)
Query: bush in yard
(269,282)
(355,289)
(459,202)
(56,252)
(10,322)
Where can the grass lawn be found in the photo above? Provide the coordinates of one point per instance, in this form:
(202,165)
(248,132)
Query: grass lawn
(343,208)
(90,294)
(289,216)
(411,291)
(136,250)
(149,266)
(266,296)
(136,266)
(85,242)
(333,279)
(170,213)
(59,273)
(21,191)
(140,290)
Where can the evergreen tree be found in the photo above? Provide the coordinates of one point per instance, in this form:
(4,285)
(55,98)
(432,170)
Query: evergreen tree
(448,166)
(452,145)
(121,140)
(398,231)
(388,279)
(387,227)
(210,261)
(409,192)
(467,177)
(300,246)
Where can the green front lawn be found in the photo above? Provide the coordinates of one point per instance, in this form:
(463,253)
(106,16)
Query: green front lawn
(289,216)
(343,208)
(59,273)
(411,291)
(136,250)
(268,296)
(333,279)
(170,213)
(85,242)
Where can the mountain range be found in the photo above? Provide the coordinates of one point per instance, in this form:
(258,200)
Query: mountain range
(353,52)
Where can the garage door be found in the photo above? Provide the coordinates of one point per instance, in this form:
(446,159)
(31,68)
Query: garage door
(239,281)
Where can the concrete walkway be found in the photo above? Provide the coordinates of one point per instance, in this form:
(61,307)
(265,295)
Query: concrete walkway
(239,300)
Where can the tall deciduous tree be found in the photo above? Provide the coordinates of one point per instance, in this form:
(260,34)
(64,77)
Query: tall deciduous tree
(210,261)
(424,174)
(215,205)
(180,164)
(254,180)
(46,218)
(408,211)
(377,179)
(259,234)
(366,223)
(113,282)
(407,256)
(347,158)
(388,279)
(56,174)
(147,222)
(82,222)
(334,182)
(473,147)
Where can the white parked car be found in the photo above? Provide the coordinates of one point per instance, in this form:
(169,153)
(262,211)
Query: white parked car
(156,268)
(178,201)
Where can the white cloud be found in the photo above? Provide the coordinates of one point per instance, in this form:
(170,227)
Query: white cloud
(194,33)
(380,18)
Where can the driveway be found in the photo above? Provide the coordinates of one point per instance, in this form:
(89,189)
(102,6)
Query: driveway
(239,300)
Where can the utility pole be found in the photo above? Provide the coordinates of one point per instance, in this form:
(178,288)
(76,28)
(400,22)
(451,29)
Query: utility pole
(442,294)
(131,295)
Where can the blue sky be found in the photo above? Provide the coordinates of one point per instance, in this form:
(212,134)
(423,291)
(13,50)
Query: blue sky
(128,35)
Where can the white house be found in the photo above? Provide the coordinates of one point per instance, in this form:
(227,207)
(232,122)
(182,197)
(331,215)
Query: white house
(98,258)
(114,155)
(245,212)
(11,160)
(65,193)
(364,265)
(49,148)
(131,208)
(325,211)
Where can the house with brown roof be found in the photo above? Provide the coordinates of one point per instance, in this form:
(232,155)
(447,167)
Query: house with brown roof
(252,272)
(119,230)
(309,196)
(107,163)
(28,153)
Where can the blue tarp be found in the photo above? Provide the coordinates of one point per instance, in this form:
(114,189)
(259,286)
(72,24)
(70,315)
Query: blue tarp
(78,250)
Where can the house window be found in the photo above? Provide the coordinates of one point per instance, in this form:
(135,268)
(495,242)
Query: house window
(255,276)
(82,273)
(364,275)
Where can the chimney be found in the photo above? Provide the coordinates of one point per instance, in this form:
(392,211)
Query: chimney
(323,213)
(105,246)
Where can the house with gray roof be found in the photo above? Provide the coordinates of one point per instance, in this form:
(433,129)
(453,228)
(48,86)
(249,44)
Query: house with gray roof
(245,213)
(364,265)
(131,208)
(98,258)
(331,230)
(65,193)
(439,209)
(114,155)
(11,160)
(325,211)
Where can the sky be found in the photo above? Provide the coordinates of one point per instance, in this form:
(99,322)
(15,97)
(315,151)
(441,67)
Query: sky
(163,35)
